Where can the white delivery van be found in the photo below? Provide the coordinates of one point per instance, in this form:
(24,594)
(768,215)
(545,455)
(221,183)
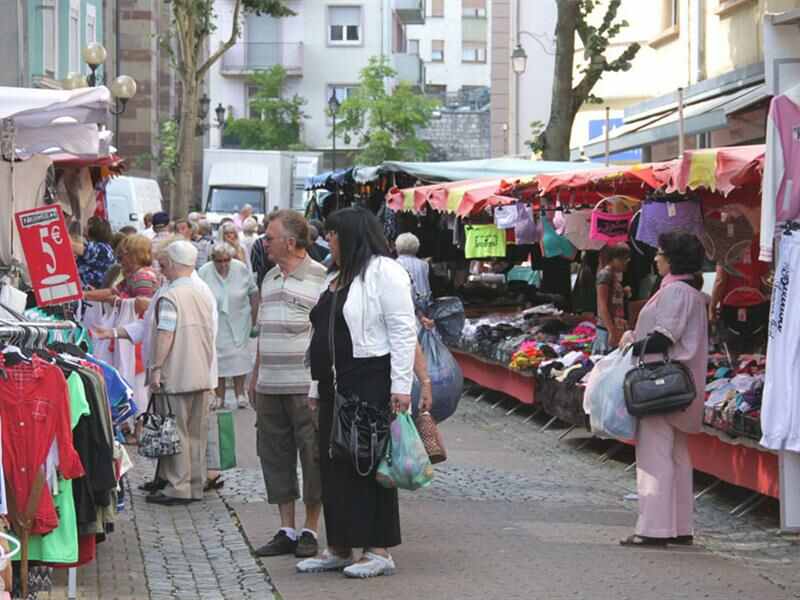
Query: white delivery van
(128,199)
(231,185)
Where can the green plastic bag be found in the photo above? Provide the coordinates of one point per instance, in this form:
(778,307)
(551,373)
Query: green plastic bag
(221,453)
(406,464)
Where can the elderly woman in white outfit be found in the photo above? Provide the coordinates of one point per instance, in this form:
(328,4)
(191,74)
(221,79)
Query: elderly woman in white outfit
(232,283)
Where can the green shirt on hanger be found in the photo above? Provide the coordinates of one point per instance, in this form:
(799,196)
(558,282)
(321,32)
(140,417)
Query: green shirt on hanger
(485,241)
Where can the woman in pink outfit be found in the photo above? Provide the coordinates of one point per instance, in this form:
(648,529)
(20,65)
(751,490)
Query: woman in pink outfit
(676,322)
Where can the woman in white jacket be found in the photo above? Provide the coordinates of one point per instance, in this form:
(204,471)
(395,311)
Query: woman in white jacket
(368,296)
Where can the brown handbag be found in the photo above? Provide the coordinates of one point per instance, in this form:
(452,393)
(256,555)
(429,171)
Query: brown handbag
(431,437)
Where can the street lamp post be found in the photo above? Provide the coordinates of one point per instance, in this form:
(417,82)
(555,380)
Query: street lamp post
(333,108)
(123,88)
(519,62)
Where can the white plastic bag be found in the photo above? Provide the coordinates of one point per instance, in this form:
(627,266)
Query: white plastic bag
(604,399)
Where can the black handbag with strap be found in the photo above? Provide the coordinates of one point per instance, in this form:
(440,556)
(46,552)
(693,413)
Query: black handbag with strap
(360,431)
(657,388)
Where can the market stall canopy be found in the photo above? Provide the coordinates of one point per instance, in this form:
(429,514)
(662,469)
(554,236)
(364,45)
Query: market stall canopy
(509,168)
(717,170)
(48,121)
(329,178)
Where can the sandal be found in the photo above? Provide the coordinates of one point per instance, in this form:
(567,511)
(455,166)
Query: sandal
(640,540)
(214,484)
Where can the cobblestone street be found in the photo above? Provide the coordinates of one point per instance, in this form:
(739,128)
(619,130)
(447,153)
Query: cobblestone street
(514,513)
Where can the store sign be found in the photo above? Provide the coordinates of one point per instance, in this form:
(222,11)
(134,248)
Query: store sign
(48,252)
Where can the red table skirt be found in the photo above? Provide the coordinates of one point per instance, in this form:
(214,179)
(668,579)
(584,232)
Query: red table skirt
(740,465)
(498,378)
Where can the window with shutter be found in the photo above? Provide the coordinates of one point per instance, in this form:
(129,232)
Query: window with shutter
(49,10)
(345,25)
(473,52)
(437,8)
(475,9)
(437,51)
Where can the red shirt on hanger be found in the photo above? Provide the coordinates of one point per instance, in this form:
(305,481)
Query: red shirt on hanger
(34,406)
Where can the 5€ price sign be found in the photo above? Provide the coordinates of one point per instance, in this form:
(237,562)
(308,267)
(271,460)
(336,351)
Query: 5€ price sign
(48,252)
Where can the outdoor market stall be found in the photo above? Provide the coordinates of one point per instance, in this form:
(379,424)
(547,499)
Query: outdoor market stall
(56,158)
(716,180)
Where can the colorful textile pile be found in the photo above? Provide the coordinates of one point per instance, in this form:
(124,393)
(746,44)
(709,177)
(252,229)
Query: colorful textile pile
(733,395)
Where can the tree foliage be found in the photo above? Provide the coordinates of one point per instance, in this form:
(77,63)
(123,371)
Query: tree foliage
(385,124)
(574,17)
(276,121)
(192,23)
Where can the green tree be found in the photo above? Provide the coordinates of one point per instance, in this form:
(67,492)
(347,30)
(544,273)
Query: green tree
(193,22)
(567,97)
(385,124)
(276,122)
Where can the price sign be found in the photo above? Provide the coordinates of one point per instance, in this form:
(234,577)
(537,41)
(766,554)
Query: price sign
(48,252)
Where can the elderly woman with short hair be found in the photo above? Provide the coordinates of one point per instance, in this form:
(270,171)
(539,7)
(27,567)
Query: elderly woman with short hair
(407,246)
(234,288)
(229,234)
(249,235)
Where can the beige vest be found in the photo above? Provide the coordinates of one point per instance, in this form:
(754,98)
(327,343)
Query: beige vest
(189,360)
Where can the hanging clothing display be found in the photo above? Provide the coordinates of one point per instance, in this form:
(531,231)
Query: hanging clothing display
(485,241)
(577,227)
(554,245)
(727,242)
(660,216)
(780,412)
(505,217)
(781,181)
(526,229)
(609,228)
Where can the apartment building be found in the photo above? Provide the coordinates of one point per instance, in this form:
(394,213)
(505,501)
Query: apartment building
(713,50)
(455,46)
(323,49)
(41,41)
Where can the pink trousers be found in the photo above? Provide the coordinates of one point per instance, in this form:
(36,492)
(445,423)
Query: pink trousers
(664,480)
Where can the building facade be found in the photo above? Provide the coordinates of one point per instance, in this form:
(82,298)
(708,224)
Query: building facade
(41,42)
(323,48)
(520,100)
(454,44)
(720,46)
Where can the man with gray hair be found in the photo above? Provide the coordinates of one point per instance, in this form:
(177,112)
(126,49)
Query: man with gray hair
(183,349)
(285,424)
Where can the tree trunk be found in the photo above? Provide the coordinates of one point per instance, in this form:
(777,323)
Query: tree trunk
(562,106)
(184,178)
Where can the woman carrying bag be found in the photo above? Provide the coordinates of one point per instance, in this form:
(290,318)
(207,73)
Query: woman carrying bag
(368,296)
(674,321)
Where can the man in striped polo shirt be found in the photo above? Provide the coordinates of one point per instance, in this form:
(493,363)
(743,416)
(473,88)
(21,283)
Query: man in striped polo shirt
(280,383)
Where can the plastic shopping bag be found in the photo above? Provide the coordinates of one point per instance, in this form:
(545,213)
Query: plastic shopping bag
(604,398)
(221,450)
(448,315)
(447,380)
(406,464)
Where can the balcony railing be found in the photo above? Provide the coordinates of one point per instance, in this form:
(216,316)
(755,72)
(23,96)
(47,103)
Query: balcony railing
(247,57)
(410,12)
(408,68)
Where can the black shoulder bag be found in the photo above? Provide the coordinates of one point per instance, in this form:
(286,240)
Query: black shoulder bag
(360,432)
(657,388)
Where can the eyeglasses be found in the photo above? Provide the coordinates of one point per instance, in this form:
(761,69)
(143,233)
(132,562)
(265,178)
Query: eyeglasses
(222,260)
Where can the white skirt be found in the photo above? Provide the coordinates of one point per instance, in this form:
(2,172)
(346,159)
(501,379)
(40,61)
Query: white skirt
(237,360)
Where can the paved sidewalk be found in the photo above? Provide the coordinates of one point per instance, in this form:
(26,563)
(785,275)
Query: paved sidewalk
(516,514)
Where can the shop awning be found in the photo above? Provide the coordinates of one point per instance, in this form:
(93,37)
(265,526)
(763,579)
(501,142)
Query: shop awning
(461,197)
(701,116)
(324,180)
(48,121)
(475,169)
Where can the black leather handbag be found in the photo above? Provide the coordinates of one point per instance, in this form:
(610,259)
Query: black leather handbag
(360,431)
(657,388)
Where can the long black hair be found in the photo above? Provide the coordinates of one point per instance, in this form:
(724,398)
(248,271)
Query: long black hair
(360,237)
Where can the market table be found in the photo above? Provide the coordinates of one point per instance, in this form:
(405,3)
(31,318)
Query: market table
(738,461)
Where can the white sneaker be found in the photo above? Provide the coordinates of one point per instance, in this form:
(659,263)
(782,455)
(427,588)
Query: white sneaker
(243,402)
(324,562)
(376,565)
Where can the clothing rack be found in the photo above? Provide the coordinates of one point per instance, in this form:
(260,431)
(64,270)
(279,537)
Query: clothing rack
(24,327)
